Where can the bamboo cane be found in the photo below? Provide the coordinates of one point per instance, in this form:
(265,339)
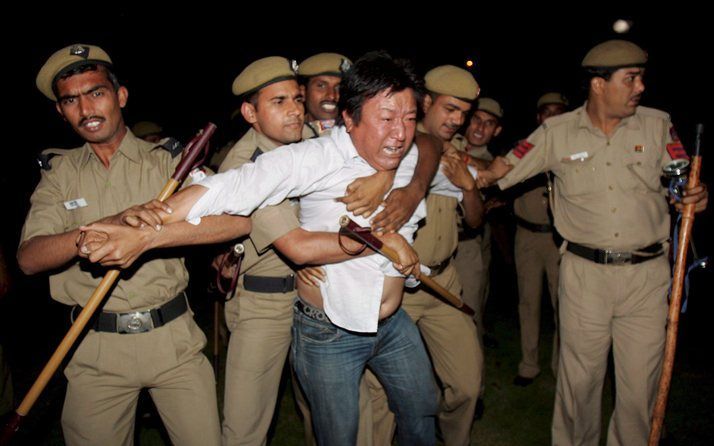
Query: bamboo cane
(675,300)
(190,155)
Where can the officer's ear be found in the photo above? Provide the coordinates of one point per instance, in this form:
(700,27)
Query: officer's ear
(497,131)
(597,85)
(248,111)
(427,102)
(59,110)
(123,95)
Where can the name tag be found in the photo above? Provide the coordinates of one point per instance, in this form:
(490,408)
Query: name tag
(75,204)
(580,156)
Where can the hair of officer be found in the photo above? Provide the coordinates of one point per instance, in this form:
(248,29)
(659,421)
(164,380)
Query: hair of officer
(371,74)
(111,76)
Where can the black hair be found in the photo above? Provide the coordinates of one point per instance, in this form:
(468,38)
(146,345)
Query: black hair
(603,72)
(371,74)
(83,69)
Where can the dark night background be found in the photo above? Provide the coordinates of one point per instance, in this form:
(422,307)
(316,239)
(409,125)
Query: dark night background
(179,65)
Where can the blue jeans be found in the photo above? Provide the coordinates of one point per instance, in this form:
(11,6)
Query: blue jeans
(330,361)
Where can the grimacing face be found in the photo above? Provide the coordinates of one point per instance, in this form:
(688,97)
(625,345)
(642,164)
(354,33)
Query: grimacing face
(444,115)
(91,105)
(321,96)
(622,93)
(279,112)
(483,127)
(386,128)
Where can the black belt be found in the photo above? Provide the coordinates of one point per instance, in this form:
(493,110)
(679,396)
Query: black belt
(310,311)
(533,227)
(264,284)
(138,321)
(438,269)
(609,257)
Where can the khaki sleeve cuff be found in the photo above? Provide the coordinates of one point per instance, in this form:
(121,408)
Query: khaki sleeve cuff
(271,223)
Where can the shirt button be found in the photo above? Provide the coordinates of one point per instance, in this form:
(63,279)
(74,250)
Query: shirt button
(610,187)
(613,210)
(608,163)
(608,143)
(617,234)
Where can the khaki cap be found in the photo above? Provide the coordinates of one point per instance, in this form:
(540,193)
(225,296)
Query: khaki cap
(490,106)
(615,54)
(144,128)
(66,59)
(331,64)
(263,72)
(552,98)
(452,81)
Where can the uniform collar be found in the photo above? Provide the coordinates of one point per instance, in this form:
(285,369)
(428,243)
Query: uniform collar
(129,148)
(263,142)
(584,121)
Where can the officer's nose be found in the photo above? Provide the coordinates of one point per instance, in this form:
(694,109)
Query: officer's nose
(85,107)
(639,85)
(331,94)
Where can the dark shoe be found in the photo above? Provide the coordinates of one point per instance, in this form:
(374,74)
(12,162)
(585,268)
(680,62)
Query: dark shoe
(522,381)
(480,408)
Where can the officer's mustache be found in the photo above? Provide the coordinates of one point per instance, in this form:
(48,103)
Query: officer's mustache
(89,118)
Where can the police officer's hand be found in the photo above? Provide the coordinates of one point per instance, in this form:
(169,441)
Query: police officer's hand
(398,208)
(456,171)
(123,246)
(408,259)
(364,195)
(88,241)
(147,214)
(311,275)
(698,195)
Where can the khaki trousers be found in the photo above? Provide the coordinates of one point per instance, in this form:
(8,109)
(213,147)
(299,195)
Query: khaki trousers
(260,338)
(472,262)
(623,306)
(450,338)
(108,370)
(535,255)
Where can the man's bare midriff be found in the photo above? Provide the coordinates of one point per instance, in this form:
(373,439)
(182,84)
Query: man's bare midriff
(391,295)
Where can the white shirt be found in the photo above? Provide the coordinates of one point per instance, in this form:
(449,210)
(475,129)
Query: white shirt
(319,170)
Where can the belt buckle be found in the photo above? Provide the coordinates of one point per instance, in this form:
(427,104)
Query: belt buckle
(617,258)
(136,322)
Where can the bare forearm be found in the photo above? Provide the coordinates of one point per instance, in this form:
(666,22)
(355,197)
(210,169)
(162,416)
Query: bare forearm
(213,229)
(473,208)
(182,202)
(46,252)
(316,248)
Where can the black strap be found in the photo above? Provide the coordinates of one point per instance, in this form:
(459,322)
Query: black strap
(263,284)
(256,154)
(533,227)
(107,322)
(608,257)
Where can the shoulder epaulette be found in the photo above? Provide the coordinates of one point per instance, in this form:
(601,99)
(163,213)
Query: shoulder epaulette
(171,145)
(43,159)
(256,154)
(653,112)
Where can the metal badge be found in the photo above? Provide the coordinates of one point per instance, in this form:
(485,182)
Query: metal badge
(79,50)
(137,322)
(639,148)
(345,65)
(294,65)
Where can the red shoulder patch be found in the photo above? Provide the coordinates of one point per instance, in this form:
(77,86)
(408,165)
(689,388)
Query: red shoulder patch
(676,151)
(522,148)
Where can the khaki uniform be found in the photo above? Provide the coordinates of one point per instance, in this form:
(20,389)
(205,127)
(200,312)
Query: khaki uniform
(607,196)
(314,129)
(535,254)
(108,370)
(259,322)
(473,256)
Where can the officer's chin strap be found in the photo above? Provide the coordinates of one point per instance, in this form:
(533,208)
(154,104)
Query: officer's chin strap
(696,263)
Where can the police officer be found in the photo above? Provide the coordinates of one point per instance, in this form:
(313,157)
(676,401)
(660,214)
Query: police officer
(260,316)
(148,131)
(607,157)
(321,75)
(145,335)
(450,334)
(535,255)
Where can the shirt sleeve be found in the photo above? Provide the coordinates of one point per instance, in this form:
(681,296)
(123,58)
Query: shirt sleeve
(289,171)
(47,215)
(272,222)
(528,158)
